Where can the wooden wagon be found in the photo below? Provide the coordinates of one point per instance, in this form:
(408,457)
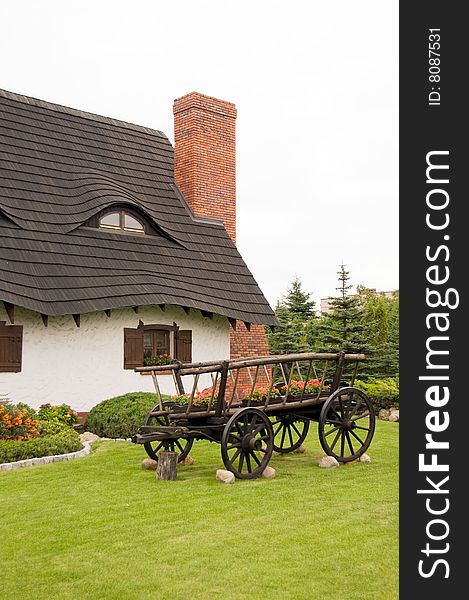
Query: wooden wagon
(257,405)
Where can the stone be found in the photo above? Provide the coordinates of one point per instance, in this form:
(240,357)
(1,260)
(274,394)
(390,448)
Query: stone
(393,418)
(300,449)
(365,458)
(149,464)
(328,462)
(384,414)
(87,436)
(188,461)
(269,472)
(225,476)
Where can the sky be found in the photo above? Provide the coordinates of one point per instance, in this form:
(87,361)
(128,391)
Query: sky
(316,88)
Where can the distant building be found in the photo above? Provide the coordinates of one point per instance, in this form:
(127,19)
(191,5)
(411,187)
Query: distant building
(326,302)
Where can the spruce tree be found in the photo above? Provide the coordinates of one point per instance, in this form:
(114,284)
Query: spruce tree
(297,322)
(343,328)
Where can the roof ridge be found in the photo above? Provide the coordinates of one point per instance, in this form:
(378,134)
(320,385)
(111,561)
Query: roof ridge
(60,108)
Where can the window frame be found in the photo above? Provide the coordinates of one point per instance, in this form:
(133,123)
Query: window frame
(153,331)
(122,212)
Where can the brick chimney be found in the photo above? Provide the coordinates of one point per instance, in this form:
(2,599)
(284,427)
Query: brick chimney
(205,156)
(205,171)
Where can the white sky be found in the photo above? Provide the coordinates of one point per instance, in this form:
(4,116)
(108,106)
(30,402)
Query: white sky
(315,84)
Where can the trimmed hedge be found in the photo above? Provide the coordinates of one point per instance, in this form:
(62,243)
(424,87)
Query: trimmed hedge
(122,416)
(384,393)
(60,443)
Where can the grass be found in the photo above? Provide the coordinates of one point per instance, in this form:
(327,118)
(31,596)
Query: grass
(100,527)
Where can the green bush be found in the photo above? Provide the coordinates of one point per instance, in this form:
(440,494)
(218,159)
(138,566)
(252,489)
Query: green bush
(60,443)
(52,427)
(384,393)
(58,414)
(120,417)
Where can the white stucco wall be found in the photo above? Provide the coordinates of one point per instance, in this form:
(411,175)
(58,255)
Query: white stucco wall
(83,366)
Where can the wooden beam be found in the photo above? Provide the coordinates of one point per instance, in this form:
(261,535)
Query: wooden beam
(108,312)
(206,314)
(247,325)
(10,309)
(162,306)
(135,309)
(76,318)
(232,322)
(45,319)
(186,309)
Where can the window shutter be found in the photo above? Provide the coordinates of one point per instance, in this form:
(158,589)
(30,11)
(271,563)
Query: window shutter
(183,339)
(11,348)
(133,348)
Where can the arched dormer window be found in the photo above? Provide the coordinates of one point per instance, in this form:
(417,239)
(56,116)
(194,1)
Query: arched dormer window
(121,220)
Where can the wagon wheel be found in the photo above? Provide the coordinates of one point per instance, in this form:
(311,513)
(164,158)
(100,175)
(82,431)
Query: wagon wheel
(289,432)
(247,443)
(181,445)
(346,424)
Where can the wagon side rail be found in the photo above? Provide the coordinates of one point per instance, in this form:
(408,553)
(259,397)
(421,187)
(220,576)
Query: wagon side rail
(246,380)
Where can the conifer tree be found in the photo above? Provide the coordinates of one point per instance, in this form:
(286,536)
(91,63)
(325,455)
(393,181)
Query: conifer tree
(297,322)
(343,328)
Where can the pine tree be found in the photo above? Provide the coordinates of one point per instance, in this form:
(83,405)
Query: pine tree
(297,322)
(299,303)
(343,329)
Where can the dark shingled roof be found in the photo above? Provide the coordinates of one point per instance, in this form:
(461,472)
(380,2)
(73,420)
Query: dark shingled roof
(59,167)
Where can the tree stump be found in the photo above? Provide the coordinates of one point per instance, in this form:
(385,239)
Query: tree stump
(167,466)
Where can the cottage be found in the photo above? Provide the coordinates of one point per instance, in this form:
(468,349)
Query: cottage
(116,248)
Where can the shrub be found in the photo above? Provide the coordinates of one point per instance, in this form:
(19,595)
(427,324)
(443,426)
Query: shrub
(17,422)
(121,417)
(52,427)
(384,393)
(58,414)
(60,443)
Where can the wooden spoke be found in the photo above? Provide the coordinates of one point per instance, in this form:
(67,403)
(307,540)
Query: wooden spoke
(254,457)
(349,442)
(236,454)
(356,436)
(336,439)
(333,422)
(363,416)
(331,431)
(290,435)
(296,430)
(284,430)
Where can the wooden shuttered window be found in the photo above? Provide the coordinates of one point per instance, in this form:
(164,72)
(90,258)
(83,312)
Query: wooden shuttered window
(11,348)
(183,345)
(133,348)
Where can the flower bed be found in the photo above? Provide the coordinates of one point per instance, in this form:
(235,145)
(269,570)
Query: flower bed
(25,433)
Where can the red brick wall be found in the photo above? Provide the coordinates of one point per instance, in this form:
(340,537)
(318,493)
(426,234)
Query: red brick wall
(205,171)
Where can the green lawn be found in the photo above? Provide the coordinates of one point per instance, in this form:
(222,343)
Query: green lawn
(101,528)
